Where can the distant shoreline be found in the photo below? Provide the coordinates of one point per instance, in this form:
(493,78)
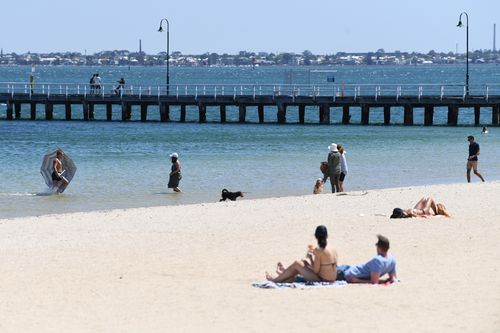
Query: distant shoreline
(253,200)
(245,58)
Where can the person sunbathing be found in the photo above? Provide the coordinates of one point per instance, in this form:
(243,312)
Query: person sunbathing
(425,207)
(372,271)
(320,264)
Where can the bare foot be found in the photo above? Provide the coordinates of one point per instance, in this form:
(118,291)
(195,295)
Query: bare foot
(269,277)
(279,268)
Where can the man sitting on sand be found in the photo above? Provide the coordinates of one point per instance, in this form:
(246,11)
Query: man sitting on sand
(373,270)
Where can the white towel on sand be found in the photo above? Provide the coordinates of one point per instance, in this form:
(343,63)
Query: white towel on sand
(299,285)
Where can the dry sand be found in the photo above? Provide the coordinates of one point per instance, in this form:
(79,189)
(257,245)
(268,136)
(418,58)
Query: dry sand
(190,268)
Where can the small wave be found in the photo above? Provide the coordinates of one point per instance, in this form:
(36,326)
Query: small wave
(44,193)
(18,194)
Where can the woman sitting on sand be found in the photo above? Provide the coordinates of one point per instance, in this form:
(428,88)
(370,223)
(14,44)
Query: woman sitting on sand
(320,265)
(426,207)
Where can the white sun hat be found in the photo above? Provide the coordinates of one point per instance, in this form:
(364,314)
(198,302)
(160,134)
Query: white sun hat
(333,147)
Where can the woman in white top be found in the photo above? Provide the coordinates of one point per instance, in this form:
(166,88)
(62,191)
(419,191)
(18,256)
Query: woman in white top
(343,167)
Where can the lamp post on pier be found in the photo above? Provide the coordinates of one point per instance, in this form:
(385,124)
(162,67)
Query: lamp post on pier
(467,50)
(168,52)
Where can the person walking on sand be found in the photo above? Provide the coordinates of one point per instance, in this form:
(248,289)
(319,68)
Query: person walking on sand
(343,167)
(175,173)
(472,159)
(334,167)
(373,270)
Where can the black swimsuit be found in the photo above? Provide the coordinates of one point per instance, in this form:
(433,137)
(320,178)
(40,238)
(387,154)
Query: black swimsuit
(55,176)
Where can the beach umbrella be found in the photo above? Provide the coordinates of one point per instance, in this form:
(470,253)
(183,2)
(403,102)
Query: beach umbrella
(69,167)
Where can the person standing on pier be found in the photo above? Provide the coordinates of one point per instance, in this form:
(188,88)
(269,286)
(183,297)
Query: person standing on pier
(472,159)
(97,83)
(119,88)
(92,84)
(334,167)
(175,173)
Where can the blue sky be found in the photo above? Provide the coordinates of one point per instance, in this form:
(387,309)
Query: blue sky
(198,26)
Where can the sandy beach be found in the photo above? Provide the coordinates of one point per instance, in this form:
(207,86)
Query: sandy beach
(190,268)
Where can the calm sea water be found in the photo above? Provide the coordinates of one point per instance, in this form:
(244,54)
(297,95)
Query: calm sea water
(124,165)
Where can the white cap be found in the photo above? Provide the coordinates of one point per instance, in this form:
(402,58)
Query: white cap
(333,147)
(174,155)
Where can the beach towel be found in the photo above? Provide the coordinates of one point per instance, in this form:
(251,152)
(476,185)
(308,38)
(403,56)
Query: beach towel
(299,285)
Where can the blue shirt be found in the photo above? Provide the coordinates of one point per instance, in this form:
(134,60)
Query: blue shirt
(378,264)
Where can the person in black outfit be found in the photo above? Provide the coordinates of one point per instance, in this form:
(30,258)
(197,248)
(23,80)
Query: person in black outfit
(121,84)
(472,159)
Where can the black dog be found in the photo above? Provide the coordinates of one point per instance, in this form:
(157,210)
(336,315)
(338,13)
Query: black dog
(230,195)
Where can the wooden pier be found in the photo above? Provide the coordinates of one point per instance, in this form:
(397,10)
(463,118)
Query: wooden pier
(279,99)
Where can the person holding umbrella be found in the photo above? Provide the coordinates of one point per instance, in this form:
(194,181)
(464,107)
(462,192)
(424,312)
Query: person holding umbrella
(57,170)
(59,181)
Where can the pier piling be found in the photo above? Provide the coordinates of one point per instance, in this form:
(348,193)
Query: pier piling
(109,111)
(49,110)
(33,110)
(428,115)
(222,111)
(202,113)
(85,107)
(281,115)
(408,115)
(183,113)
(17,110)
(128,108)
(477,115)
(495,113)
(324,114)
(124,111)
(365,114)
(144,112)
(242,113)
(67,109)
(302,113)
(164,112)
(9,110)
(261,113)
(452,115)
(387,115)
(346,117)
(91,111)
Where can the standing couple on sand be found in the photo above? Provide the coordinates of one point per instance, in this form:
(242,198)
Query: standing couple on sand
(321,265)
(337,167)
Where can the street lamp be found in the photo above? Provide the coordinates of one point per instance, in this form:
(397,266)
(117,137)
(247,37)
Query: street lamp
(168,52)
(467,50)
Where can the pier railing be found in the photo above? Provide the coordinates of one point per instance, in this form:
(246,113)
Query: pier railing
(214,90)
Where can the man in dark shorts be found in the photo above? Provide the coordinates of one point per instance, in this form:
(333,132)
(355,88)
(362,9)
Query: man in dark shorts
(472,159)
(58,180)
